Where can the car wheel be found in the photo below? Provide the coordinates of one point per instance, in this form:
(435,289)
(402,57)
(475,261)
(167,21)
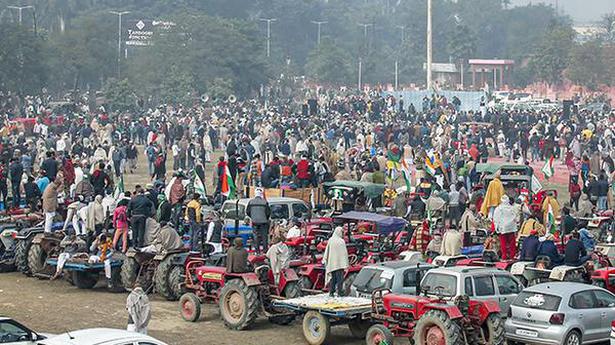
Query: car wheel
(573,338)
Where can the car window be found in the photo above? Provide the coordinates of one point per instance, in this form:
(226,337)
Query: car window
(438,283)
(300,210)
(582,300)
(537,300)
(484,286)
(12,333)
(604,299)
(370,279)
(279,211)
(507,285)
(229,211)
(468,287)
(410,278)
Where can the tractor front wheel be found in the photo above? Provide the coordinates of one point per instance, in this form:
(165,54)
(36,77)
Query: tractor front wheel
(492,331)
(378,334)
(190,307)
(239,305)
(316,328)
(436,328)
(36,259)
(129,273)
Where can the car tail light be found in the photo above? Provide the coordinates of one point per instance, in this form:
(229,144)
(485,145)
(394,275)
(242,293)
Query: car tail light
(613,324)
(557,319)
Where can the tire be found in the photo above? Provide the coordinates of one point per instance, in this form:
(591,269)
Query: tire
(573,338)
(84,280)
(574,276)
(190,307)
(21,256)
(164,280)
(116,280)
(36,259)
(358,328)
(305,282)
(129,273)
(291,290)
(316,328)
(436,323)
(378,334)
(239,305)
(6,265)
(68,276)
(348,283)
(493,330)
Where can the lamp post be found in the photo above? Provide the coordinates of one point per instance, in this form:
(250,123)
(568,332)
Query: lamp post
(319,24)
(269,21)
(119,40)
(429,44)
(20,9)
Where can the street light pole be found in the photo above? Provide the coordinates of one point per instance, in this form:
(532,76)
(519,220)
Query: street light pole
(365,26)
(119,41)
(429,44)
(403,33)
(268,20)
(20,8)
(318,24)
(360,72)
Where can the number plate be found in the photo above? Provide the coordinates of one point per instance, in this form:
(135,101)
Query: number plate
(526,333)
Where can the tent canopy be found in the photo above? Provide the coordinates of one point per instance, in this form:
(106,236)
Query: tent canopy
(384,224)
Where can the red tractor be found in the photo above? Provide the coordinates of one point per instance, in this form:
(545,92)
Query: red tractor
(433,321)
(240,296)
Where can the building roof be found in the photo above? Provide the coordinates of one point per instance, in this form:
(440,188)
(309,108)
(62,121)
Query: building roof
(491,62)
(442,67)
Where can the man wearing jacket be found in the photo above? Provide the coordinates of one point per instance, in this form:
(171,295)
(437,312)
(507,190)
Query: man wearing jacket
(139,208)
(506,226)
(259,212)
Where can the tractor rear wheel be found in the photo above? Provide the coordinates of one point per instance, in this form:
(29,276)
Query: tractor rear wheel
(21,255)
(190,307)
(239,305)
(305,282)
(378,334)
(116,280)
(358,328)
(129,273)
(436,328)
(316,328)
(85,280)
(167,279)
(36,259)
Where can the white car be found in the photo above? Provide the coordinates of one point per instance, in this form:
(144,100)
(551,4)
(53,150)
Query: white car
(100,336)
(14,333)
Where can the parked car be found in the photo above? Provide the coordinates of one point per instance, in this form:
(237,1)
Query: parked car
(613,332)
(399,276)
(281,208)
(479,283)
(14,333)
(101,336)
(561,313)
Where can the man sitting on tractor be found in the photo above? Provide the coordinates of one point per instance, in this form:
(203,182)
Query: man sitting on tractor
(529,247)
(102,248)
(163,238)
(531,224)
(72,245)
(575,253)
(549,249)
(237,257)
(451,242)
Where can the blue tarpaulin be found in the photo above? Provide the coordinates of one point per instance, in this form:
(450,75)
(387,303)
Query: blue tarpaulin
(384,224)
(470,100)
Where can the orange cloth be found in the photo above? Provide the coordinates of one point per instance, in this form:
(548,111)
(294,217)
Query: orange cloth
(493,197)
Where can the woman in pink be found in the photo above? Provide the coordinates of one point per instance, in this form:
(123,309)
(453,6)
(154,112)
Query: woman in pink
(120,223)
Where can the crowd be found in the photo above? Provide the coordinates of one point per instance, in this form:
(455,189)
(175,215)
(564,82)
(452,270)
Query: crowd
(73,161)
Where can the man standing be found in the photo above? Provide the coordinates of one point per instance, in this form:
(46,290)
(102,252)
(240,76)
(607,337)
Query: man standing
(335,260)
(259,212)
(50,203)
(15,171)
(193,217)
(506,226)
(139,208)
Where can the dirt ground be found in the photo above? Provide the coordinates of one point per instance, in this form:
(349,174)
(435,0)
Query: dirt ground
(57,307)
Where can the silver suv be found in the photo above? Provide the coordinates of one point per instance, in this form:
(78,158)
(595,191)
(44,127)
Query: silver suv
(398,276)
(479,283)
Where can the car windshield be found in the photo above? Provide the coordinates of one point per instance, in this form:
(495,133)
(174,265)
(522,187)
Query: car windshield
(370,279)
(440,284)
(229,211)
(537,300)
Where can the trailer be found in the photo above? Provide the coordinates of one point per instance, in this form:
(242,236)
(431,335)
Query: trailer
(85,275)
(320,312)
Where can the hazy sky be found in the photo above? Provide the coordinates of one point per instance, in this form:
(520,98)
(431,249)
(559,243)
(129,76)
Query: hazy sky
(580,10)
